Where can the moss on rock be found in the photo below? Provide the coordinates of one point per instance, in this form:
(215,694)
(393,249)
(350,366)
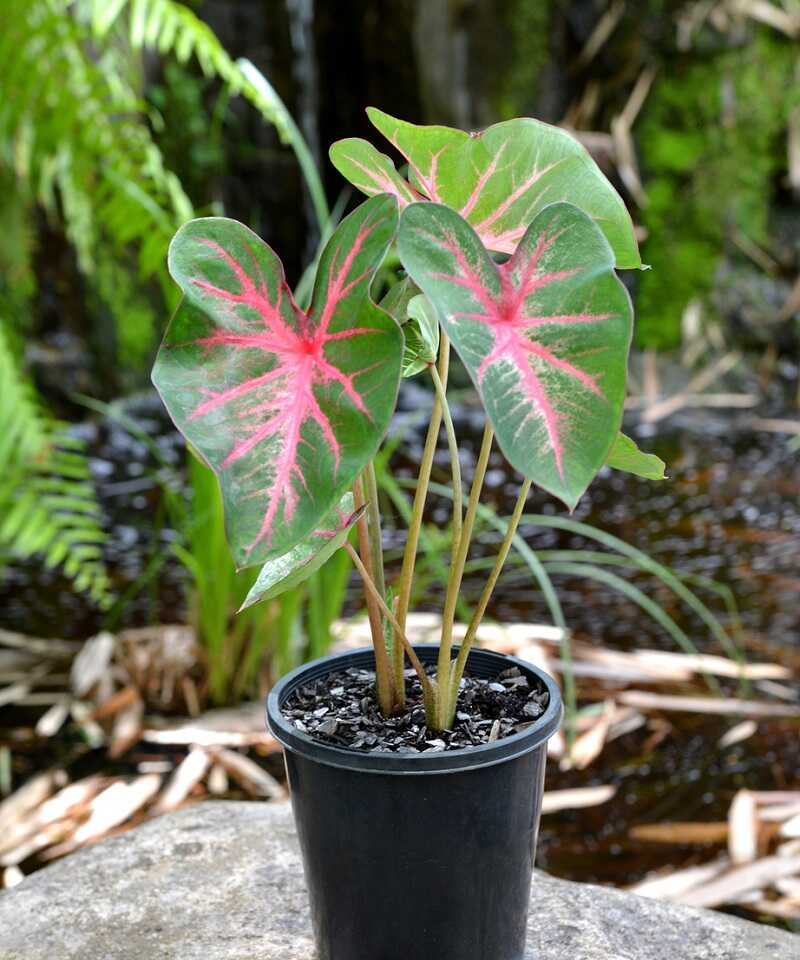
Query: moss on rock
(712,142)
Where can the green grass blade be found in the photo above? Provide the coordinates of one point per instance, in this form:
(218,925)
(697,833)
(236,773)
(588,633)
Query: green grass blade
(634,594)
(651,566)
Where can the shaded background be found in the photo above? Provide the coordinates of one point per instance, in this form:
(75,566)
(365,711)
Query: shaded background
(711,171)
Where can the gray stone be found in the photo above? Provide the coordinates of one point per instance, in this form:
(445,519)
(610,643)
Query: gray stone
(223,881)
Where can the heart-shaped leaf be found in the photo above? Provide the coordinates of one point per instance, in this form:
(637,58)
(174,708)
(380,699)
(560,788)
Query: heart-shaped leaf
(626,456)
(285,406)
(421,331)
(498,180)
(292,568)
(544,336)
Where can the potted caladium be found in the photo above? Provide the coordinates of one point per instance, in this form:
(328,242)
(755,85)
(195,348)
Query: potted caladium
(416,773)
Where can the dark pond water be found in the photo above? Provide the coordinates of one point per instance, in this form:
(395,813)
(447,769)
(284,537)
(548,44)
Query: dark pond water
(730,512)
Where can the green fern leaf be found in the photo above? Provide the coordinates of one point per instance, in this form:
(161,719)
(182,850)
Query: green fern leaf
(48,506)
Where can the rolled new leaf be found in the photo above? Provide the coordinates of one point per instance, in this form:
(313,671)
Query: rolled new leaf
(395,302)
(421,332)
(285,406)
(544,336)
(498,179)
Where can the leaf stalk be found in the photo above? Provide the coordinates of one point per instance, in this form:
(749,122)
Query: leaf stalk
(384,681)
(418,507)
(480,610)
(429,688)
(457,569)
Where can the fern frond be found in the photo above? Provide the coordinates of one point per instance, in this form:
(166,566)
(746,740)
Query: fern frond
(77,133)
(48,506)
(17,247)
(168,27)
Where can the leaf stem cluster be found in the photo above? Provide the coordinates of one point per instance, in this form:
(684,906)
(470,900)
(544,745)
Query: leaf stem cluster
(388,626)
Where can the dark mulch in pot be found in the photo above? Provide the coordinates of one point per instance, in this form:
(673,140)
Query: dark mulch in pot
(341,710)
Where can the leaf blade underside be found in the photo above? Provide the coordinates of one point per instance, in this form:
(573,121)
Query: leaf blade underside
(285,406)
(544,336)
(305,558)
(498,179)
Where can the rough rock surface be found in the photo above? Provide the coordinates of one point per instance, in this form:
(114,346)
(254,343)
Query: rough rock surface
(223,881)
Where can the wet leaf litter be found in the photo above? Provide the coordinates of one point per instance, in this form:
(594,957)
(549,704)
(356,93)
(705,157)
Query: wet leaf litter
(341,710)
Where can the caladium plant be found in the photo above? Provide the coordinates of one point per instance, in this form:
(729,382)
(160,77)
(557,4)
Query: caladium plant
(497,180)
(509,240)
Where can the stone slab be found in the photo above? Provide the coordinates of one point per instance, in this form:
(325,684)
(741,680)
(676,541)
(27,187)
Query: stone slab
(223,881)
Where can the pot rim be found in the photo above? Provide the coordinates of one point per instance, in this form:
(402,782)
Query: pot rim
(409,764)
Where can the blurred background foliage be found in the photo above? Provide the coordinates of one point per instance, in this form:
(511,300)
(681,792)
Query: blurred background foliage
(120,119)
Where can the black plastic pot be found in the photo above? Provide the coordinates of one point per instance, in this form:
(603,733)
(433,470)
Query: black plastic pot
(417,857)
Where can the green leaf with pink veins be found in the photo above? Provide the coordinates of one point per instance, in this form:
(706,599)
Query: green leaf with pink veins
(369,170)
(498,179)
(544,336)
(286,406)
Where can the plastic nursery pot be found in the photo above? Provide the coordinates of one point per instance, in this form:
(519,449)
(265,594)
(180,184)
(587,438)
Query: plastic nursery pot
(417,856)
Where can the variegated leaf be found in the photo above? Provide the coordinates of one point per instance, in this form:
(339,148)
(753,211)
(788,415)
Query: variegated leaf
(544,336)
(370,171)
(285,406)
(293,568)
(498,180)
